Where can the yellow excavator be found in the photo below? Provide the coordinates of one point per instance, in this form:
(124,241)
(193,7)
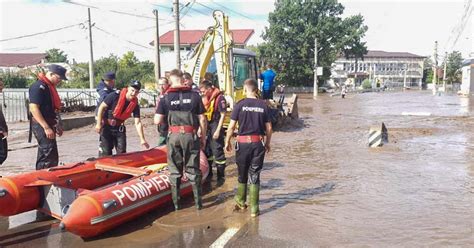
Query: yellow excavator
(230,67)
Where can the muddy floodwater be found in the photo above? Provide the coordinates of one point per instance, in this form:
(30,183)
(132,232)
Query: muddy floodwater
(321,184)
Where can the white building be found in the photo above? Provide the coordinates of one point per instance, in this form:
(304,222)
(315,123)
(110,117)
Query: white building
(381,68)
(467,86)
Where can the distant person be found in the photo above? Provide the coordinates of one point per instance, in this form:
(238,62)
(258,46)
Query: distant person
(268,78)
(209,76)
(116,108)
(163,86)
(3,131)
(343,91)
(253,141)
(44,106)
(188,81)
(105,86)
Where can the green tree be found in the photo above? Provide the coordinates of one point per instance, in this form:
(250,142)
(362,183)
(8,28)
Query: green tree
(105,64)
(55,55)
(128,60)
(428,70)
(294,25)
(78,77)
(453,67)
(126,68)
(366,84)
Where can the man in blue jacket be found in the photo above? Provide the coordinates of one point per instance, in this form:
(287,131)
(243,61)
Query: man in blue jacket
(268,78)
(106,86)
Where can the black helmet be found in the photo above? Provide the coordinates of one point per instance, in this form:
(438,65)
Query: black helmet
(136,84)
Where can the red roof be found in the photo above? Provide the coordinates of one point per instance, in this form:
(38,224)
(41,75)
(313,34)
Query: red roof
(191,37)
(21,59)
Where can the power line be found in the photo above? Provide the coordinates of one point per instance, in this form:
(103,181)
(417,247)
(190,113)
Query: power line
(163,6)
(116,36)
(16,49)
(187,10)
(113,11)
(199,11)
(459,29)
(231,10)
(40,33)
(205,6)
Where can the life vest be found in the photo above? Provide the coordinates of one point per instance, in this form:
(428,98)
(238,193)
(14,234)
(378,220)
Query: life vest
(118,114)
(55,99)
(210,104)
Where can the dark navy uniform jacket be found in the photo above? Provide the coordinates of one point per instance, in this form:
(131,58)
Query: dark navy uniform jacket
(103,89)
(251,114)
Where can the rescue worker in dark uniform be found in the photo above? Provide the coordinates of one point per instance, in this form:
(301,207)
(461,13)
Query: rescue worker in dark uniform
(44,106)
(3,130)
(216,107)
(185,113)
(105,86)
(188,81)
(163,86)
(113,111)
(253,140)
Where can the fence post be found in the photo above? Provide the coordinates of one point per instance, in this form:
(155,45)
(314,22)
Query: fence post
(27,107)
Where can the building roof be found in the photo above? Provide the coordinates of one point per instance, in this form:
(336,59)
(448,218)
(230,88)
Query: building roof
(191,37)
(21,59)
(468,62)
(384,54)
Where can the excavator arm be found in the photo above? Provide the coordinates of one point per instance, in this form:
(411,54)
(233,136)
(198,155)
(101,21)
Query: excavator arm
(216,42)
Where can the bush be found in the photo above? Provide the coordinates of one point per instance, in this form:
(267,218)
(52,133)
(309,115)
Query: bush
(14,80)
(143,102)
(366,84)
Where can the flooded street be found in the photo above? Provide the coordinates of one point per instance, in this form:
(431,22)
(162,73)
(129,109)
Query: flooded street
(321,184)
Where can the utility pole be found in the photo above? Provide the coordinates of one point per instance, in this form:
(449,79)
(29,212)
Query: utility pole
(444,70)
(91,59)
(435,67)
(157,48)
(405,76)
(176,33)
(315,86)
(369,68)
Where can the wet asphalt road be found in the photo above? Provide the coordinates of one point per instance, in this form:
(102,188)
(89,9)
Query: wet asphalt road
(321,184)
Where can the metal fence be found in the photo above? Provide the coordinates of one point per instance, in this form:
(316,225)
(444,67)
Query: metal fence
(14,101)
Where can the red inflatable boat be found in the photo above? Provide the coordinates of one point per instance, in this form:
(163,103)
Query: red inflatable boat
(94,196)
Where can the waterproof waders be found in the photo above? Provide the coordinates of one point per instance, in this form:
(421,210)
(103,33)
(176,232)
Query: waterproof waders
(183,153)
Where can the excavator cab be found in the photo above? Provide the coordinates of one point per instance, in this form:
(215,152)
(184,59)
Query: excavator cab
(244,67)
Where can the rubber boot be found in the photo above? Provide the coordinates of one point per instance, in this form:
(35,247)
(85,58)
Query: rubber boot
(254,194)
(220,174)
(209,176)
(197,191)
(241,196)
(175,196)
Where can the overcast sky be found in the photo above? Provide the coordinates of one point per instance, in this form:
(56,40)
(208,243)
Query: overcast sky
(398,26)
